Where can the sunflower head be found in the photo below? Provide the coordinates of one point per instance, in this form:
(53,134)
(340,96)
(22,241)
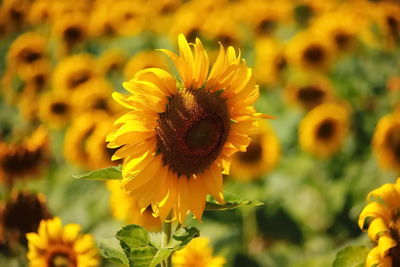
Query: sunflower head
(55,245)
(260,157)
(197,253)
(31,207)
(386,141)
(324,129)
(381,218)
(180,135)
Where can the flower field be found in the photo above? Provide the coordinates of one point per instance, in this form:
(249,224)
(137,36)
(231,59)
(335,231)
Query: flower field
(199,133)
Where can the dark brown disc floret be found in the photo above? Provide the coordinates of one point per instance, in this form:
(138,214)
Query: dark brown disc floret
(253,153)
(314,54)
(326,130)
(310,96)
(192,131)
(393,141)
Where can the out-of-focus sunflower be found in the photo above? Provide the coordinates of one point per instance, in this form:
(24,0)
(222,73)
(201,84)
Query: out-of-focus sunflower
(178,138)
(71,29)
(55,245)
(18,161)
(56,109)
(265,17)
(198,253)
(380,217)
(74,71)
(341,28)
(187,21)
(27,49)
(144,60)
(308,91)
(40,12)
(221,26)
(161,13)
(260,157)
(77,136)
(111,61)
(100,24)
(36,77)
(31,207)
(270,61)
(98,152)
(386,141)
(309,51)
(124,207)
(387,16)
(95,95)
(323,129)
(304,11)
(16,12)
(127,17)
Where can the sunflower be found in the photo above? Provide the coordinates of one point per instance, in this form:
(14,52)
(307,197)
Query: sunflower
(323,129)
(124,207)
(100,23)
(127,17)
(187,21)
(380,217)
(31,207)
(16,11)
(111,61)
(95,95)
(260,157)
(388,18)
(55,109)
(40,12)
(71,29)
(270,61)
(178,138)
(36,77)
(27,49)
(74,71)
(77,136)
(99,155)
(308,91)
(26,159)
(161,13)
(386,141)
(55,245)
(197,253)
(309,51)
(341,28)
(143,60)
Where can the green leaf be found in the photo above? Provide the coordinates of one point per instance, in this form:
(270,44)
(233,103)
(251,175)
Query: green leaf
(144,249)
(112,251)
(352,256)
(110,173)
(232,201)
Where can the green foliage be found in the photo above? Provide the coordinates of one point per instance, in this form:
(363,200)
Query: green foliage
(140,248)
(110,173)
(351,256)
(232,201)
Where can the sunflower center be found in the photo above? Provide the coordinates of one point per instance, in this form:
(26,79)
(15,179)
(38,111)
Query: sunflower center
(79,78)
(59,108)
(310,95)
(253,153)
(73,35)
(40,81)
(21,161)
(394,252)
(280,63)
(61,256)
(342,40)
(266,26)
(393,140)
(393,25)
(29,56)
(192,130)
(314,54)
(326,130)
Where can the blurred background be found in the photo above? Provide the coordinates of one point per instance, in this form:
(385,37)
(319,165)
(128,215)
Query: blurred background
(329,71)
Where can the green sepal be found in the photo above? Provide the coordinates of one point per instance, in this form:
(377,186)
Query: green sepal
(232,201)
(110,173)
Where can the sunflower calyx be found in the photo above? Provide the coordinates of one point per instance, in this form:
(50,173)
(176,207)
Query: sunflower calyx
(139,248)
(351,256)
(232,201)
(110,173)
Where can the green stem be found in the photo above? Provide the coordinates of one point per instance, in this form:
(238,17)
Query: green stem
(165,237)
